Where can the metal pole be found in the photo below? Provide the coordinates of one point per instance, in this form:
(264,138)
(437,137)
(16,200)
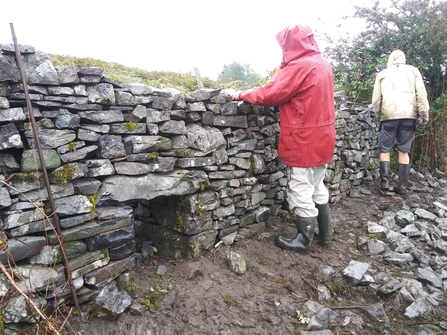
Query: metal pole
(42,163)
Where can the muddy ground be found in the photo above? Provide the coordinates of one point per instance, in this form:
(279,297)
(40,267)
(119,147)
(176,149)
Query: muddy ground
(204,296)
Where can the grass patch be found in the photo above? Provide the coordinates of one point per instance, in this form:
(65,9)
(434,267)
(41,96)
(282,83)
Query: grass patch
(184,82)
(286,284)
(153,300)
(228,299)
(132,289)
(340,288)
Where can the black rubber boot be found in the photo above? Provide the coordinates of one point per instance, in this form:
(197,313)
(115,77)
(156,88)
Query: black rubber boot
(324,224)
(305,233)
(385,176)
(404,174)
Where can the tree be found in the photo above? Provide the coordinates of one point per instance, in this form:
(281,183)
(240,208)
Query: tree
(238,72)
(419,29)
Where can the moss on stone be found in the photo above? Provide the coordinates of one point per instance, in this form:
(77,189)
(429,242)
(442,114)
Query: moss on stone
(199,210)
(106,253)
(152,155)
(75,312)
(196,248)
(64,174)
(130,126)
(185,152)
(93,198)
(72,146)
(252,167)
(204,185)
(20,178)
(181,222)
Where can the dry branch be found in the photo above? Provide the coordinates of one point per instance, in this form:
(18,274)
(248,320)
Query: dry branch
(28,300)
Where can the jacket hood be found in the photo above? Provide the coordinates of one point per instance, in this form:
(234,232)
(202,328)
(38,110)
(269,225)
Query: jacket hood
(396,57)
(296,42)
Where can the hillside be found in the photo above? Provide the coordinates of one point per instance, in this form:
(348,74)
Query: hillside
(184,82)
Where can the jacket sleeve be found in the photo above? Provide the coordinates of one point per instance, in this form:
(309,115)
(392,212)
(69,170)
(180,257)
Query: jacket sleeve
(421,96)
(377,98)
(279,89)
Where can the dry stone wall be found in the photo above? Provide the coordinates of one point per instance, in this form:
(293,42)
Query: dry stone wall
(132,167)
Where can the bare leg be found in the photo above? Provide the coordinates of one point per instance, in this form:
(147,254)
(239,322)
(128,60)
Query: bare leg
(385,157)
(404,158)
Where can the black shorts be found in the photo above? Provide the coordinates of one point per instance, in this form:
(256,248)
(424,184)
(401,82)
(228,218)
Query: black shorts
(401,131)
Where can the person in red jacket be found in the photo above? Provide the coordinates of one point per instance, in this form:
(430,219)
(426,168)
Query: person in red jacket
(304,90)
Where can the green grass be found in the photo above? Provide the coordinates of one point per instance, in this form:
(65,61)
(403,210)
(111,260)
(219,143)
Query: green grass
(184,82)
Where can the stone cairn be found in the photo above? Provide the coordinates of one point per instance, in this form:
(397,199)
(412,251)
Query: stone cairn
(135,169)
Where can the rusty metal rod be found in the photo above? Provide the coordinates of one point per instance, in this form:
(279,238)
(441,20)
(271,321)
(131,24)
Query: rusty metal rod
(42,163)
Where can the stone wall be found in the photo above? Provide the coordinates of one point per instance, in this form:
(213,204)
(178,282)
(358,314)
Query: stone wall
(133,166)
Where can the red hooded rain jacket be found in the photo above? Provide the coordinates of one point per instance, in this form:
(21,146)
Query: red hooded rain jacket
(304,90)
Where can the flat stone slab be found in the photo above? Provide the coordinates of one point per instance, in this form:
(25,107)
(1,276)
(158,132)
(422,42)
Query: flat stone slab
(90,229)
(21,248)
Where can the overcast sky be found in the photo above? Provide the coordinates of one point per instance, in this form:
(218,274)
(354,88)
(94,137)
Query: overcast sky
(170,35)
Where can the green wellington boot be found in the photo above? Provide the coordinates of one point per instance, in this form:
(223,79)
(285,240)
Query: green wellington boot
(384,176)
(305,233)
(324,223)
(404,174)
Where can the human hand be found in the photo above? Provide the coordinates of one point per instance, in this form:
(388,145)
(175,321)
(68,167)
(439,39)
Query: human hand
(237,95)
(421,124)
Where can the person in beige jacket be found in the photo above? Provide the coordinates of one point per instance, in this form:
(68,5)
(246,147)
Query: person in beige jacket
(400,104)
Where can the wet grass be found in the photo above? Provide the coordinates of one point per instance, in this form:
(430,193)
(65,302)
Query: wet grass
(229,300)
(286,284)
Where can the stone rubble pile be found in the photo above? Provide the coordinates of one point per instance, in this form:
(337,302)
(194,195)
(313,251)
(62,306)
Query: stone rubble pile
(132,165)
(408,267)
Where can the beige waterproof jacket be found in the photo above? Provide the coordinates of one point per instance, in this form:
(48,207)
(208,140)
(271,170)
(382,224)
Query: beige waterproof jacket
(399,92)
